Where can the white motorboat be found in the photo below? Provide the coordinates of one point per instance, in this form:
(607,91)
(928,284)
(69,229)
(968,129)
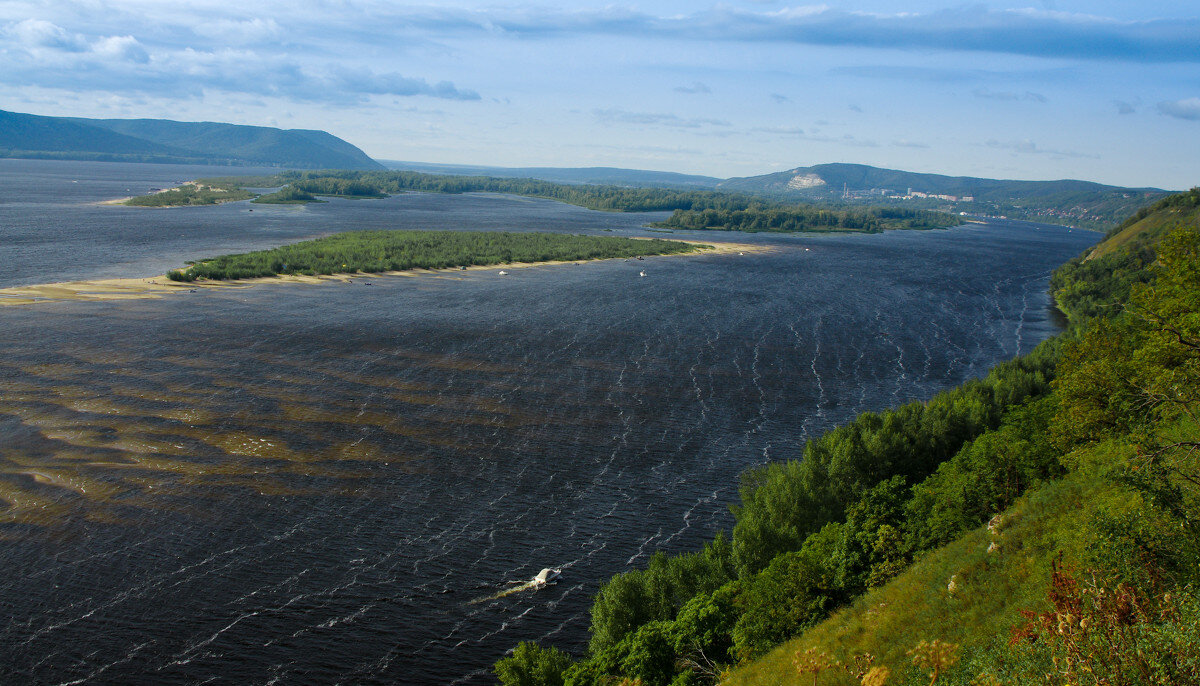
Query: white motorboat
(546,576)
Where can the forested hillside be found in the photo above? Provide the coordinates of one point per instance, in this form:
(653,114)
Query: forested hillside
(1041,525)
(1099,281)
(165,141)
(1076,203)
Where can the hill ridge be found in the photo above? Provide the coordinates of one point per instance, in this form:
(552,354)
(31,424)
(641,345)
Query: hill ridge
(167,140)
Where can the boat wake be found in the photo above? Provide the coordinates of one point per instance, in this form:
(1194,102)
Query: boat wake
(543,578)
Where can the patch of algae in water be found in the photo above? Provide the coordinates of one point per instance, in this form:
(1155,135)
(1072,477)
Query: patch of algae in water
(122,438)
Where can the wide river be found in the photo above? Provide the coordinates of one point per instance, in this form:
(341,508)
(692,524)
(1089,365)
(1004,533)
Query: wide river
(292,484)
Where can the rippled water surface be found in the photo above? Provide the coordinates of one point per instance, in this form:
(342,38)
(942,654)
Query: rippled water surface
(299,484)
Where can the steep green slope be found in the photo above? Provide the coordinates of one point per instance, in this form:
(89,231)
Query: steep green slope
(960,593)
(1093,578)
(1098,281)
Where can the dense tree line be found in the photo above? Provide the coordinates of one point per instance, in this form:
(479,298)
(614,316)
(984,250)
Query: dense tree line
(808,218)
(381,251)
(611,198)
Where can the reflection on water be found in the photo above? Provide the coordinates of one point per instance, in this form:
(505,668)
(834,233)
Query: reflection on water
(291,484)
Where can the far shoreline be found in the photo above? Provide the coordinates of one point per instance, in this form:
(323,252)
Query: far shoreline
(154,287)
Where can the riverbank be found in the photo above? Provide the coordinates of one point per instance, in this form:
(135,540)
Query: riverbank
(160,286)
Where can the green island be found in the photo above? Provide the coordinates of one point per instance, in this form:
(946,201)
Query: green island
(199,193)
(691,209)
(383,251)
(762,217)
(1038,525)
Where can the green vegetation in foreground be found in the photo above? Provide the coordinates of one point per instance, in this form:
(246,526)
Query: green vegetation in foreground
(381,251)
(692,209)
(190,194)
(1041,525)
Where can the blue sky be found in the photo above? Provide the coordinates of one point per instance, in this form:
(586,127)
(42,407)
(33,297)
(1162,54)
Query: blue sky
(1102,90)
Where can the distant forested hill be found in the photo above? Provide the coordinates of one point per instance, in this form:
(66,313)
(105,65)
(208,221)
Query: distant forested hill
(1080,203)
(161,140)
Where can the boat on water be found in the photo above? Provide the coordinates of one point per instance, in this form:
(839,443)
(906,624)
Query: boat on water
(546,576)
(503,273)
(642,273)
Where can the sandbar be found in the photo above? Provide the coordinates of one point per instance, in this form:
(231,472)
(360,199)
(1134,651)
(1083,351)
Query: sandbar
(104,290)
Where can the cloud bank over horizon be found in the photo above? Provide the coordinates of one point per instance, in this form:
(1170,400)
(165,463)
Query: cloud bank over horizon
(719,89)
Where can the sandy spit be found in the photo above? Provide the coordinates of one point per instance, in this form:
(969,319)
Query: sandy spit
(105,290)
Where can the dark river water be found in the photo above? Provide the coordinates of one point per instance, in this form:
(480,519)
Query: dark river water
(292,484)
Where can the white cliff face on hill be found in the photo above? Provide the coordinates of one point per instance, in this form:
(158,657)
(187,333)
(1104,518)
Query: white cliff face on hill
(803,181)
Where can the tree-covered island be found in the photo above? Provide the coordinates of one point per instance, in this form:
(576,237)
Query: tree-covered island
(383,251)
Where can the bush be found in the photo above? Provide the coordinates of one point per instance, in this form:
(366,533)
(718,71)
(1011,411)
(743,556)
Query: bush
(533,665)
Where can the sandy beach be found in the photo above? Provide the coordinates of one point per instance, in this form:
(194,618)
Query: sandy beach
(105,290)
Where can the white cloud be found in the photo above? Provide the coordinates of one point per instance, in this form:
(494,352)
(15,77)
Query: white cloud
(1181,109)
(38,33)
(122,48)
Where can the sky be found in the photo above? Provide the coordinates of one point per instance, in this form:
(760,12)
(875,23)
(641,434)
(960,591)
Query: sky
(1102,90)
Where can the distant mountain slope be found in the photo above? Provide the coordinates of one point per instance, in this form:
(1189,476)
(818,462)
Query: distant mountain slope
(301,148)
(610,176)
(1081,203)
(160,140)
(860,177)
(28,132)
